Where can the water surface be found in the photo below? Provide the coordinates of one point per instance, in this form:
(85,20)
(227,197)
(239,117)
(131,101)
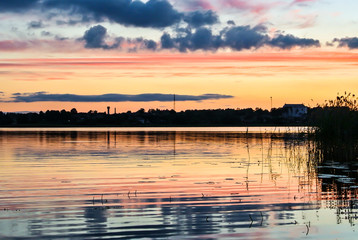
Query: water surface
(176,183)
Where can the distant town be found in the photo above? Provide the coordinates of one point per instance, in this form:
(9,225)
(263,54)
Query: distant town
(289,114)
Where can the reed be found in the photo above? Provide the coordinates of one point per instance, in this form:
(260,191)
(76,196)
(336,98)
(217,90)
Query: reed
(336,119)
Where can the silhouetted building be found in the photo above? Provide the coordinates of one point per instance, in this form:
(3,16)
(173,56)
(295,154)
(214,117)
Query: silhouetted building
(294,110)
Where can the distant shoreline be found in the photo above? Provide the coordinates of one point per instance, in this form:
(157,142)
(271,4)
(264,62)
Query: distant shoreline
(146,126)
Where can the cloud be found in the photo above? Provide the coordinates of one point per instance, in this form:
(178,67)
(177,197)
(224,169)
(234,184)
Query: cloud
(244,5)
(46,34)
(166,41)
(35,25)
(112,97)
(201,18)
(95,38)
(202,39)
(137,13)
(329,44)
(140,43)
(136,44)
(10,45)
(150,44)
(236,38)
(304,20)
(233,37)
(73,22)
(191,5)
(351,43)
(244,37)
(231,22)
(302,2)
(289,41)
(17,5)
(153,13)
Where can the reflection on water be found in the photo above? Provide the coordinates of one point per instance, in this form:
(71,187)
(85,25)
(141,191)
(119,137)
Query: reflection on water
(172,184)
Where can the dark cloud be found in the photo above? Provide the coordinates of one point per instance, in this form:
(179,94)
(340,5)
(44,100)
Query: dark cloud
(201,97)
(158,14)
(46,34)
(205,40)
(149,97)
(140,43)
(73,22)
(153,13)
(231,22)
(138,13)
(95,38)
(202,39)
(60,38)
(351,43)
(289,41)
(234,37)
(35,25)
(150,44)
(329,44)
(166,41)
(194,4)
(201,18)
(244,37)
(16,5)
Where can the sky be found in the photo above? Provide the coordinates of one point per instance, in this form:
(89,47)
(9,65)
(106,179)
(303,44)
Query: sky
(90,54)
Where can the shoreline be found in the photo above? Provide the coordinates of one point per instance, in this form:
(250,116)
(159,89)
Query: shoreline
(148,126)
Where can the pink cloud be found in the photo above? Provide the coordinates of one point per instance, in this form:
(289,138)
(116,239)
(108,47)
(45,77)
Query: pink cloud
(256,8)
(40,45)
(306,20)
(305,2)
(309,21)
(302,1)
(10,45)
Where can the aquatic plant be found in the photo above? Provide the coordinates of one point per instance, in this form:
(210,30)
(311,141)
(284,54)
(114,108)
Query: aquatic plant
(336,119)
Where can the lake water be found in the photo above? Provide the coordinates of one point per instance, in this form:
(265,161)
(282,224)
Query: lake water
(172,183)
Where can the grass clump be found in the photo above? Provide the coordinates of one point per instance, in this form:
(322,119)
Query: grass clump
(337,119)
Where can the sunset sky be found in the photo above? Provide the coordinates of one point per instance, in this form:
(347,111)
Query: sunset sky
(89,54)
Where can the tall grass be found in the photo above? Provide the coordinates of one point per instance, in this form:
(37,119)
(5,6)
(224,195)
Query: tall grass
(337,119)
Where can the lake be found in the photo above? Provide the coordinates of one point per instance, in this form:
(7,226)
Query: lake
(173,183)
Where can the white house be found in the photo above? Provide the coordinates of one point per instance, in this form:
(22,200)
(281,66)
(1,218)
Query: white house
(295,110)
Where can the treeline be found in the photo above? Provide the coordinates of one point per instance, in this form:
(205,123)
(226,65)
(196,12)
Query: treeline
(153,117)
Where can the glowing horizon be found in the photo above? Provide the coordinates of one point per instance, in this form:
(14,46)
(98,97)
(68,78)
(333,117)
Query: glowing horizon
(223,48)
(250,78)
